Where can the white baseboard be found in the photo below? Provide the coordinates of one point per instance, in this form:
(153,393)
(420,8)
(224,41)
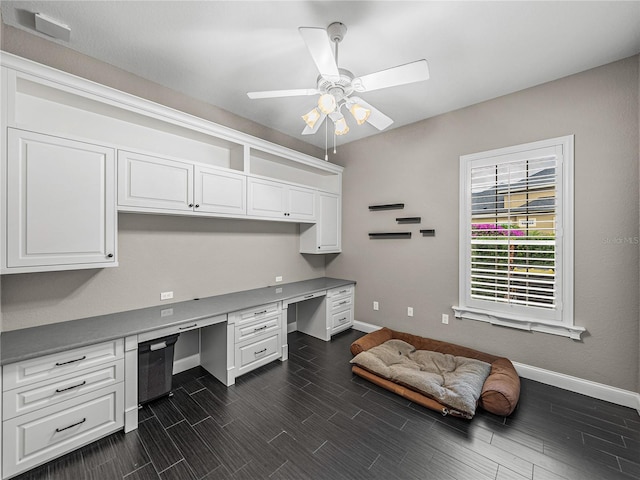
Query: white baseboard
(186,363)
(292,327)
(365,327)
(600,391)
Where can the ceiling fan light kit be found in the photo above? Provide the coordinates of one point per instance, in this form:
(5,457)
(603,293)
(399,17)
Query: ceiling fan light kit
(336,85)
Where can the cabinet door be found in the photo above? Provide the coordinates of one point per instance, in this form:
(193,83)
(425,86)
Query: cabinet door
(152,182)
(217,191)
(61,210)
(301,204)
(266,198)
(329,223)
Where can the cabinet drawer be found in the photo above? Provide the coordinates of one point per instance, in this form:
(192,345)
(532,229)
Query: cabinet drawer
(250,315)
(32,397)
(340,292)
(185,327)
(341,320)
(39,436)
(255,354)
(50,366)
(341,303)
(262,327)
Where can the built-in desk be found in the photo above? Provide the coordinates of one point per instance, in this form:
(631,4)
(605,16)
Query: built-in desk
(90,365)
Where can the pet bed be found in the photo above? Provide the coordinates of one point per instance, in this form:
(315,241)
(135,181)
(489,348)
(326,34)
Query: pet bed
(499,392)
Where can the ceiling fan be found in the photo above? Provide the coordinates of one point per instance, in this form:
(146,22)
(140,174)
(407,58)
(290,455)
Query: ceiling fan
(336,86)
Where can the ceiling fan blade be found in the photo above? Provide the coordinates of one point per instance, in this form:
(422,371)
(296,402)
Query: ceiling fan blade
(320,49)
(283,93)
(376,118)
(400,75)
(310,131)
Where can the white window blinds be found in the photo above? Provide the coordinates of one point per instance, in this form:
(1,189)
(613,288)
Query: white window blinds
(516,237)
(513,230)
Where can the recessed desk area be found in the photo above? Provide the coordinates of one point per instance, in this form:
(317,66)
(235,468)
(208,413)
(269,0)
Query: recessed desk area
(70,383)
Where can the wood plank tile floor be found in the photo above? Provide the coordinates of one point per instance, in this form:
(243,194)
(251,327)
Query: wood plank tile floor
(311,418)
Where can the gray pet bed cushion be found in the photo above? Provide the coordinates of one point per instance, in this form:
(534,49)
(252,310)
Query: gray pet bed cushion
(456,382)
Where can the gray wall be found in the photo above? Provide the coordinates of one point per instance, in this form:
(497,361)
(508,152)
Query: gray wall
(193,257)
(419,165)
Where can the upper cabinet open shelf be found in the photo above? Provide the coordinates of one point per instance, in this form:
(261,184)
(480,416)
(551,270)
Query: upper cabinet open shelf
(47,100)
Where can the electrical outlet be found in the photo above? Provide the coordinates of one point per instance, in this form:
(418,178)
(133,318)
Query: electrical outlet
(278,278)
(376,306)
(409,311)
(166,295)
(445,319)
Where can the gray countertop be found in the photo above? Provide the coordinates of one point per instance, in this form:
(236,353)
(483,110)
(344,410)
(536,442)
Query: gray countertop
(33,342)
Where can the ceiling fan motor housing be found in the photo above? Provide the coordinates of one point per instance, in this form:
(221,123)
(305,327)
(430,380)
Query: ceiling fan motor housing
(336,31)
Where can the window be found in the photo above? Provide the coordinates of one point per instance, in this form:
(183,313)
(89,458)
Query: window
(516,237)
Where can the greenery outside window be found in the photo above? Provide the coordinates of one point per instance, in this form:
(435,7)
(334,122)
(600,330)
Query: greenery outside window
(516,237)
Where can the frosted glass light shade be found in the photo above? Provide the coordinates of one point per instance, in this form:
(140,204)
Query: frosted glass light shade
(341,126)
(359,113)
(312,117)
(327,103)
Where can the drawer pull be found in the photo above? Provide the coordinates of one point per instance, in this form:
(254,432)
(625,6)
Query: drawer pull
(188,326)
(309,296)
(59,364)
(60,390)
(343,302)
(58,430)
(260,351)
(260,328)
(342,319)
(260,313)
(343,291)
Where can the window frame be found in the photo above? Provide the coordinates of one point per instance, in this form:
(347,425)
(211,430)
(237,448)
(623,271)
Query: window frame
(558,321)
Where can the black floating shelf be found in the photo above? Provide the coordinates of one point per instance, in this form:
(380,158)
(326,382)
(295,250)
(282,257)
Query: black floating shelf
(390,206)
(390,235)
(428,233)
(402,220)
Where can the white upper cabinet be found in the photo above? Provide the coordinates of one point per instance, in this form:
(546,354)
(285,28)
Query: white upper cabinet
(280,201)
(60,211)
(325,235)
(218,191)
(162,185)
(147,181)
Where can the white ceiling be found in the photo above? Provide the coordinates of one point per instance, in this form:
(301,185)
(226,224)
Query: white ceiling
(217,51)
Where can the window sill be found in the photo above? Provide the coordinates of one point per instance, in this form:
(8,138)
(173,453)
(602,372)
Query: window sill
(519,323)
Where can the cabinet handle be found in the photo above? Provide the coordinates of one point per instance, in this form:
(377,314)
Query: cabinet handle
(342,319)
(110,255)
(343,302)
(197,206)
(58,430)
(260,328)
(60,390)
(260,351)
(59,364)
(309,296)
(191,205)
(188,326)
(260,313)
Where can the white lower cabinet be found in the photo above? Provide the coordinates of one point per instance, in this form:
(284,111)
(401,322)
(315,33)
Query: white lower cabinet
(254,338)
(340,302)
(37,437)
(57,403)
